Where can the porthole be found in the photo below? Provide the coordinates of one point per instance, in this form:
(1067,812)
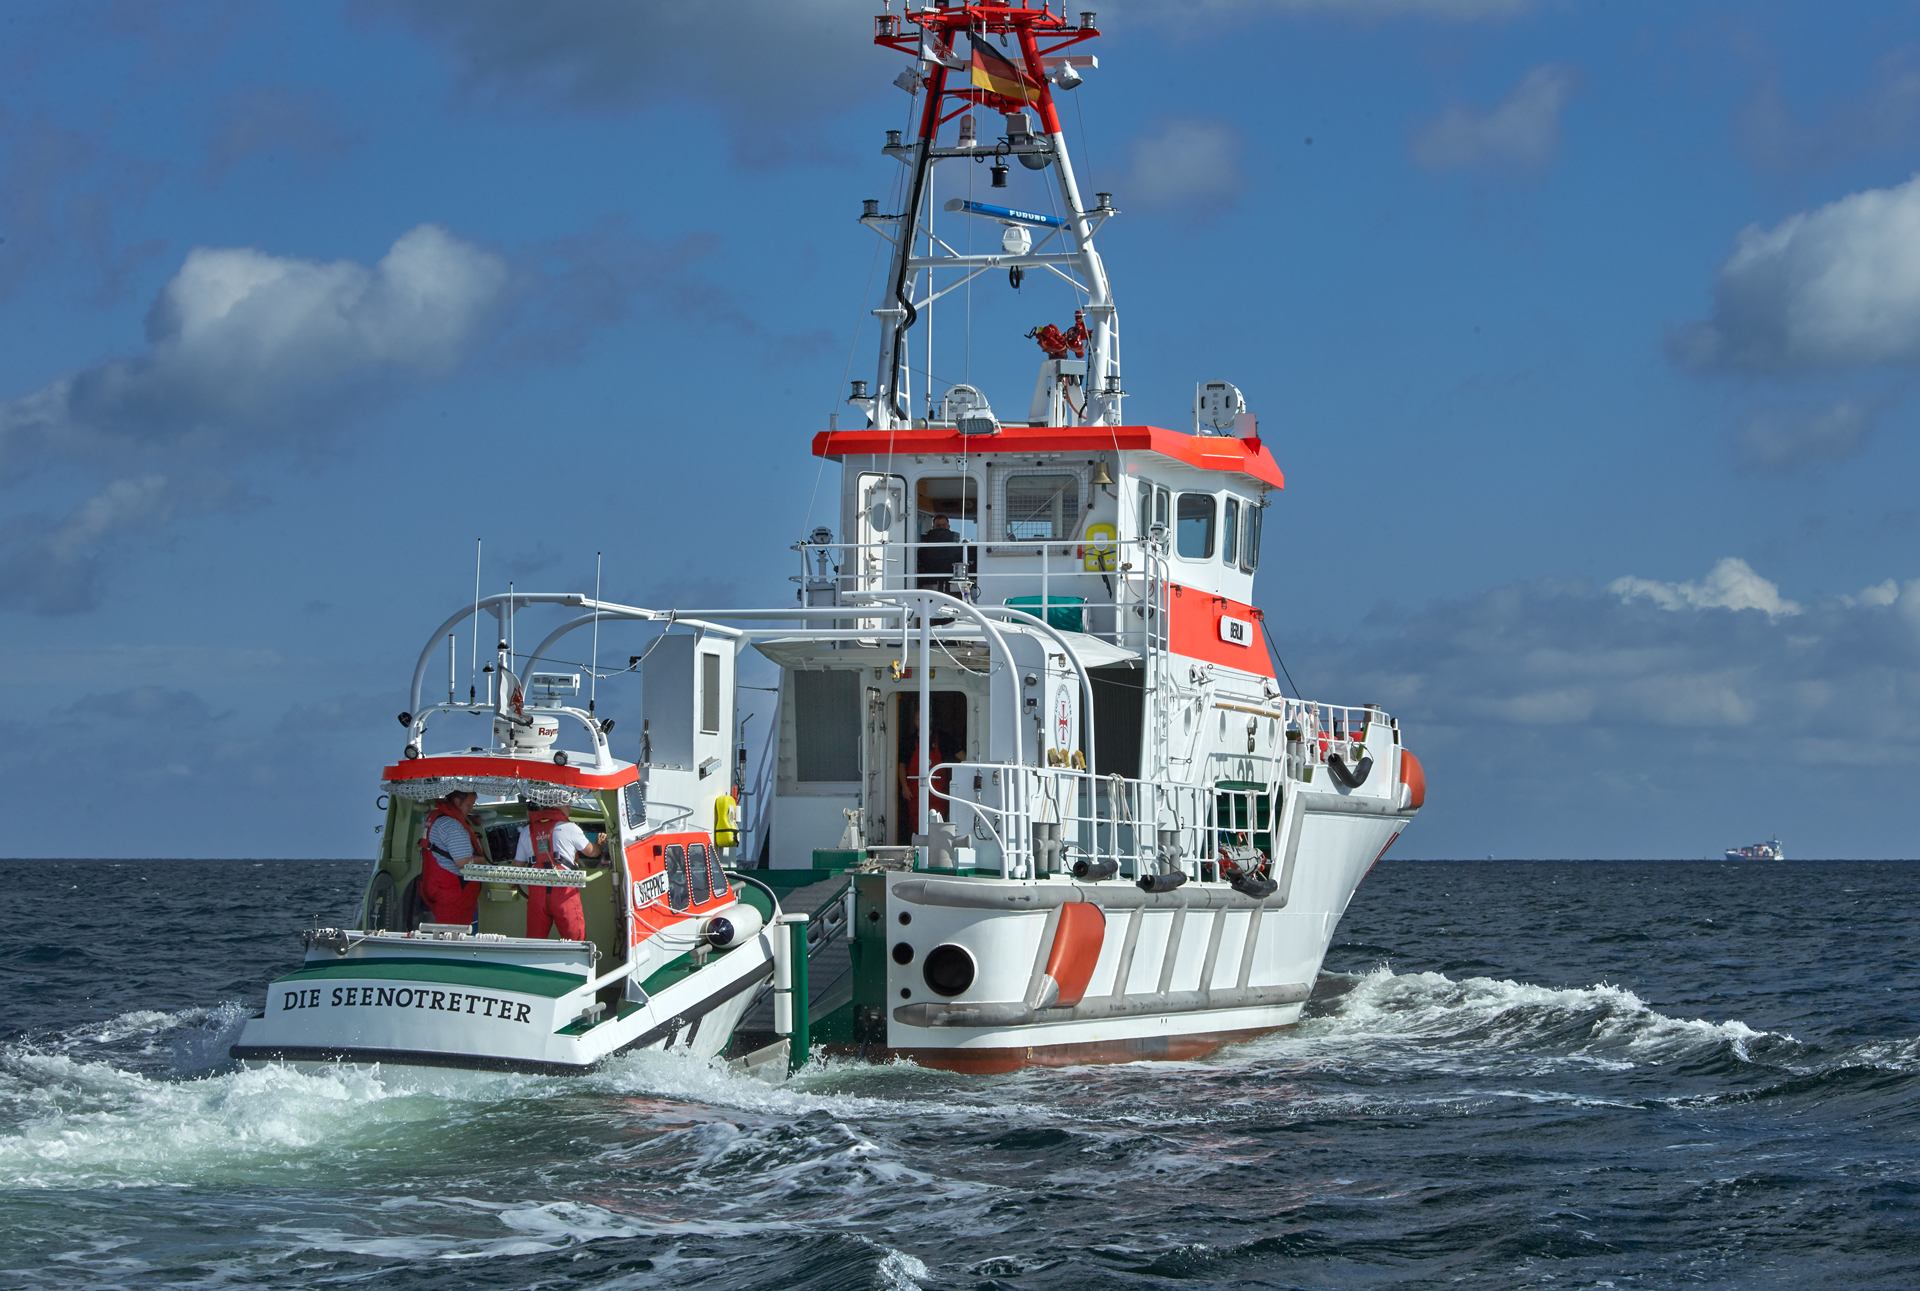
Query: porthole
(949,969)
(902,953)
(905,918)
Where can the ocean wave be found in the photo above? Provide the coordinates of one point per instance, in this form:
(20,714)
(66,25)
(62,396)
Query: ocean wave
(75,1122)
(1603,1023)
(528,1230)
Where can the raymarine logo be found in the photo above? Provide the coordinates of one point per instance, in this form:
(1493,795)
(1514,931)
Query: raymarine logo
(650,889)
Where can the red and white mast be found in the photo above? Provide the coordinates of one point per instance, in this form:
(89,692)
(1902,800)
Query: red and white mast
(1013,83)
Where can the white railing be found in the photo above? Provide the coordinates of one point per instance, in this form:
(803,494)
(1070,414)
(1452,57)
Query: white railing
(1152,826)
(1008,568)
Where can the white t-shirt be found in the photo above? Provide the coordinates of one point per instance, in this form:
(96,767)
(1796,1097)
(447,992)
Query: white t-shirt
(568,838)
(447,835)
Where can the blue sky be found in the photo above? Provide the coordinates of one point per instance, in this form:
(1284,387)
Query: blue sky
(1584,333)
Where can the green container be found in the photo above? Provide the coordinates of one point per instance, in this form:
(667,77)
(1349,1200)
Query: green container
(1063,612)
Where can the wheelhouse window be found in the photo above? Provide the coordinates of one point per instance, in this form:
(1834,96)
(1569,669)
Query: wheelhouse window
(1040,507)
(955,497)
(1230,532)
(1250,549)
(1193,538)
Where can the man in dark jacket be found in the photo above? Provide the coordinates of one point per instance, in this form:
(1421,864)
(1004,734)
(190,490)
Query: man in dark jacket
(937,561)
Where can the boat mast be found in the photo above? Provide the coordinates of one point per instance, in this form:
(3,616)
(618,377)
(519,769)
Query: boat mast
(929,34)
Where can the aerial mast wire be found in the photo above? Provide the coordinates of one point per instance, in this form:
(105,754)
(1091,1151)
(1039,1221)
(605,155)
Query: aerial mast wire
(593,668)
(473,670)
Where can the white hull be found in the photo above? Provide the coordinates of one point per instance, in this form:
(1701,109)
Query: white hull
(1176,974)
(505,1004)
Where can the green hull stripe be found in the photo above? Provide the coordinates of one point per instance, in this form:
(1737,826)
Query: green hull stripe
(501,977)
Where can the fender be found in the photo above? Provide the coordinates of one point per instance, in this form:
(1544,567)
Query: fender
(1352,779)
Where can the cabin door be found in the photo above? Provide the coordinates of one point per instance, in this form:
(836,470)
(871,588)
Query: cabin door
(879,530)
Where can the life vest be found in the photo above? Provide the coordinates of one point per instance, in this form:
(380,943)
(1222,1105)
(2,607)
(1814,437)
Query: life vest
(429,857)
(540,826)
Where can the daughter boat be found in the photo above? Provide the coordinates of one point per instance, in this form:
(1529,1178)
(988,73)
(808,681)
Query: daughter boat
(1033,791)
(670,951)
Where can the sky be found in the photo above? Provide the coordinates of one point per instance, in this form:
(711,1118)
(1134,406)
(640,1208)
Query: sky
(1585,332)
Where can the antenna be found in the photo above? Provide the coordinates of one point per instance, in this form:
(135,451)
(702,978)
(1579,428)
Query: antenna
(512,658)
(593,668)
(473,670)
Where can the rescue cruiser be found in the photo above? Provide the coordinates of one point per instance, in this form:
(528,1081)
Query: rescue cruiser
(1032,790)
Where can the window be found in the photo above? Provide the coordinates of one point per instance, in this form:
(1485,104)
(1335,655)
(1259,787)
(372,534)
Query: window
(1161,500)
(1193,538)
(1042,506)
(676,866)
(1250,550)
(1146,507)
(1230,533)
(957,497)
(710,693)
(697,872)
(826,726)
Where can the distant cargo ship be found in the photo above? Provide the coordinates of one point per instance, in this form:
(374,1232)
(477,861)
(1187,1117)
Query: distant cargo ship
(1767,851)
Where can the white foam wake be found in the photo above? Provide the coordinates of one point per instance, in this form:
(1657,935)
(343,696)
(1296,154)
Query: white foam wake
(1601,1023)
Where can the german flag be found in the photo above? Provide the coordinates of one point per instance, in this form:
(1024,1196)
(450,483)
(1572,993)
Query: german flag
(996,74)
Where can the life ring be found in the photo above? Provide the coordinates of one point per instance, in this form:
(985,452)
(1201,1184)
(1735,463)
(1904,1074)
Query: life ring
(1414,776)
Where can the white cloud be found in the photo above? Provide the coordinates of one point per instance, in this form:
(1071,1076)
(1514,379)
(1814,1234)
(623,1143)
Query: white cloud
(1835,287)
(1192,163)
(1885,593)
(1559,718)
(245,347)
(252,354)
(1778,441)
(1732,585)
(1523,131)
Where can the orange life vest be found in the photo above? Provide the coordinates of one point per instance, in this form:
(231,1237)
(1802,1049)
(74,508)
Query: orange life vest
(427,854)
(540,825)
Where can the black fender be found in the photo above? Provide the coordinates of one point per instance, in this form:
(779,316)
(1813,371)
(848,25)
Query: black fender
(1352,779)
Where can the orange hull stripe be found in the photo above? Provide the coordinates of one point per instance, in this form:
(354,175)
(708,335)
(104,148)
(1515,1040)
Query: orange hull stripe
(1193,629)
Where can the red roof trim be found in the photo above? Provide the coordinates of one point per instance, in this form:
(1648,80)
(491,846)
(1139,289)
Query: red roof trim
(1208,452)
(429,768)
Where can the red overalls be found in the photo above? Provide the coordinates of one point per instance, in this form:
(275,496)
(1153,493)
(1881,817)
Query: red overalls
(450,897)
(551,907)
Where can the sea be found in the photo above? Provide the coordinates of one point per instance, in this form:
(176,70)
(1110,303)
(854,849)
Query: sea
(1513,1074)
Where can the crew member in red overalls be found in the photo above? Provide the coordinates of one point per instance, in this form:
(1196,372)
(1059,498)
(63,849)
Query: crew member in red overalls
(550,841)
(909,775)
(447,844)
